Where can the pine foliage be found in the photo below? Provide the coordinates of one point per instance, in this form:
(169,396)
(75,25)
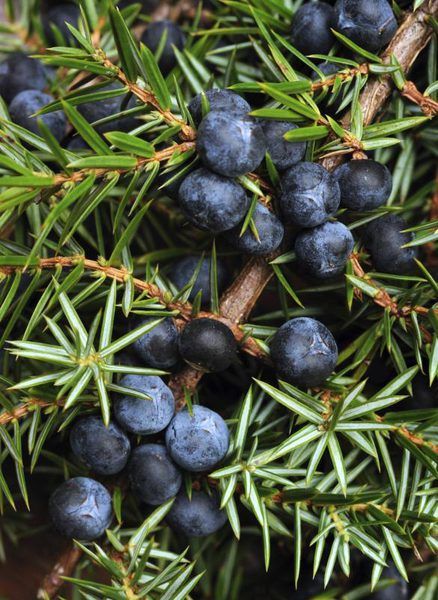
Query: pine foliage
(87,240)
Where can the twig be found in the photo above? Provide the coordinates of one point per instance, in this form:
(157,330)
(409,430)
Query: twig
(411,37)
(426,103)
(184,309)
(159,156)
(382,298)
(23,409)
(65,565)
(187,132)
(240,298)
(343,75)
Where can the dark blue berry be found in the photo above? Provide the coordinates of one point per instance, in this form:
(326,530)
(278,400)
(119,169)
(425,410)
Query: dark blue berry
(101,109)
(153,475)
(270,232)
(424,394)
(304,352)
(81,508)
(327,68)
(369,23)
(141,416)
(309,195)
(384,238)
(211,201)
(364,184)
(76,144)
(324,250)
(198,441)
(25,104)
(207,344)
(230,144)
(198,516)
(58,16)
(311,28)
(147,6)
(174,37)
(103,449)
(19,72)
(218,100)
(159,347)
(183,270)
(283,154)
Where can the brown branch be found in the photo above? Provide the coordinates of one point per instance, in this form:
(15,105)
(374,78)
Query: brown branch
(240,298)
(343,75)
(426,103)
(382,298)
(23,409)
(184,309)
(160,156)
(411,37)
(64,566)
(147,97)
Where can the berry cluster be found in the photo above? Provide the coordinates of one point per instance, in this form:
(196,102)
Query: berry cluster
(231,144)
(165,447)
(196,440)
(369,23)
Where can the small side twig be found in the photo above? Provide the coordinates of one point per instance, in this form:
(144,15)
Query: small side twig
(65,565)
(426,103)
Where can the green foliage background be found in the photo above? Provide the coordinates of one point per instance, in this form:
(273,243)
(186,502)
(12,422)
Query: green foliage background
(87,238)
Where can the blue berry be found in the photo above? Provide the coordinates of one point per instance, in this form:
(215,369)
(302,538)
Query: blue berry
(141,416)
(364,184)
(183,270)
(304,352)
(19,72)
(153,475)
(310,195)
(147,6)
(230,144)
(327,68)
(324,250)
(198,516)
(384,239)
(58,16)
(218,100)
(81,508)
(270,231)
(311,28)
(159,347)
(101,109)
(211,201)
(283,154)
(198,441)
(369,23)
(424,395)
(76,144)
(105,450)
(174,37)
(208,345)
(25,104)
